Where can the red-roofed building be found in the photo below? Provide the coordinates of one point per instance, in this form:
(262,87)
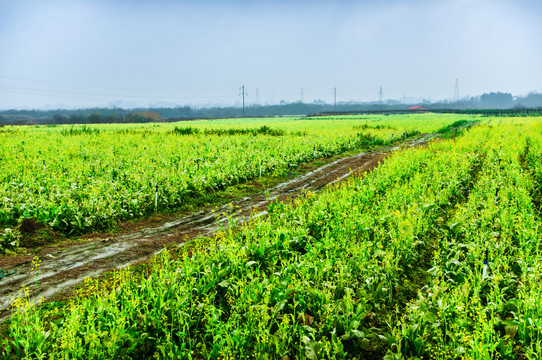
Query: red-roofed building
(417,108)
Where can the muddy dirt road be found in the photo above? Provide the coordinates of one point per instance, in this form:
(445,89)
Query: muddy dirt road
(63,267)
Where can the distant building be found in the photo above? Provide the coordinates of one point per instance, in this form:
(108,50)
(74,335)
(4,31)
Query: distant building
(417,108)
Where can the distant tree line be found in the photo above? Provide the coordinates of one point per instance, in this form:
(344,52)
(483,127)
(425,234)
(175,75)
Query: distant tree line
(97,118)
(112,116)
(493,100)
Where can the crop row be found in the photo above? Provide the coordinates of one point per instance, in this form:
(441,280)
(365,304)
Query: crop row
(482,297)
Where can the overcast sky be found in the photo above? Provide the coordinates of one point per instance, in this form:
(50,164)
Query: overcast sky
(81,53)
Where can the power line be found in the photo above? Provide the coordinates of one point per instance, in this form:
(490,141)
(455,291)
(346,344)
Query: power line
(53,96)
(74,84)
(60,94)
(99,86)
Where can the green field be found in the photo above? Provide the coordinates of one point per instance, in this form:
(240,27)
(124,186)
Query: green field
(75,179)
(389,264)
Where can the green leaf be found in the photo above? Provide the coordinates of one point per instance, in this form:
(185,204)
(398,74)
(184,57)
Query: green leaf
(430,317)
(312,348)
(357,334)
(433,271)
(366,345)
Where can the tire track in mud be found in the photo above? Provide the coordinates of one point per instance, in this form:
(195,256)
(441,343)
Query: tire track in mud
(65,267)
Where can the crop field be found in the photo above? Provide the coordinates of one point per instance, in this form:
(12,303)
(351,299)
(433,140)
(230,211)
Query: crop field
(75,179)
(436,254)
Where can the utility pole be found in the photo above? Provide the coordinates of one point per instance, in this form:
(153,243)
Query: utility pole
(335,97)
(456,91)
(380,95)
(243,93)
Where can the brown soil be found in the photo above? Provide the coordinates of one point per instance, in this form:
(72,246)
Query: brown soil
(29,225)
(66,265)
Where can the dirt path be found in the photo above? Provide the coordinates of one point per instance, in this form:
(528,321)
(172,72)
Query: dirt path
(66,266)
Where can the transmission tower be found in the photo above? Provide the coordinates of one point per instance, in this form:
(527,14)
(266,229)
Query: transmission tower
(301,97)
(243,94)
(335,96)
(380,95)
(258,96)
(456,91)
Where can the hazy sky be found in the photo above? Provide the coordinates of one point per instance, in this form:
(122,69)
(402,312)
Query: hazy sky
(78,53)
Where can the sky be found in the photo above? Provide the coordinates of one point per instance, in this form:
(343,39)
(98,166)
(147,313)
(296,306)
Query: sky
(138,53)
